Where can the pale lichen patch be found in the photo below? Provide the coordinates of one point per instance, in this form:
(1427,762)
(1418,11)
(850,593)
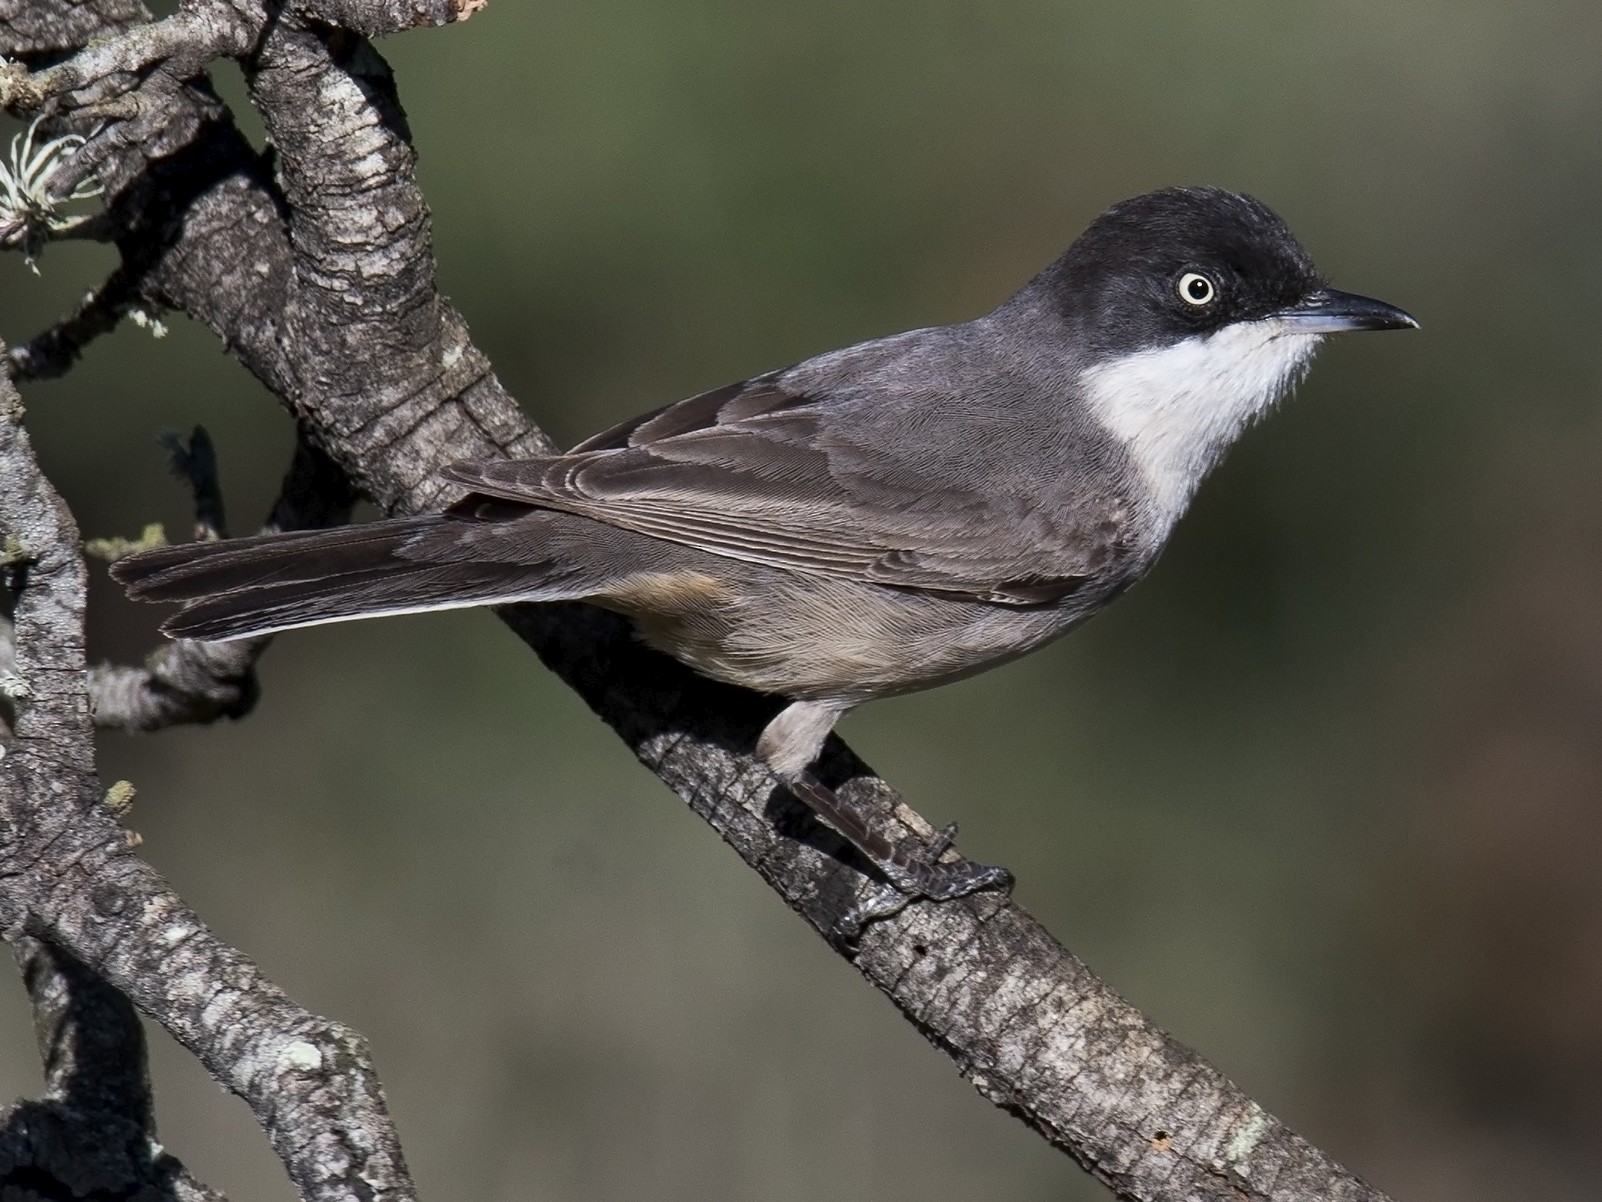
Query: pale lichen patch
(300,1056)
(1245,1140)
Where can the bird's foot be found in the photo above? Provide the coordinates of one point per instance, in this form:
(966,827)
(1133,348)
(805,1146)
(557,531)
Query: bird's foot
(919,875)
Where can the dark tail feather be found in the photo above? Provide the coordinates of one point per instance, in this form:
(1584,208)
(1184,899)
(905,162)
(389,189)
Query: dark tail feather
(192,570)
(269,582)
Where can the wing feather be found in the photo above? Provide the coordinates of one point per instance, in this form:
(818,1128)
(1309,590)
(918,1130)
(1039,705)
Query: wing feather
(761,472)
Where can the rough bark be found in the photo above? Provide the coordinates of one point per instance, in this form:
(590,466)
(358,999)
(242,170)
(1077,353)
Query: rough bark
(114,930)
(319,277)
(93,1131)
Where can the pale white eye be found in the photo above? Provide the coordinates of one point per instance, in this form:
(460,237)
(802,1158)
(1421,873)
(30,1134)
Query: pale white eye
(1196,289)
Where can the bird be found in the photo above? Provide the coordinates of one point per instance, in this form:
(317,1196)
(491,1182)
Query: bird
(874,520)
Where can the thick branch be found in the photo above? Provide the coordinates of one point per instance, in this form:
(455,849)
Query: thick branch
(89,1038)
(8,677)
(363,277)
(45,577)
(34,30)
(183,44)
(374,18)
(93,1130)
(124,78)
(310,1081)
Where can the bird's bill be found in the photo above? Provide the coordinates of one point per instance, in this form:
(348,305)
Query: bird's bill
(1328,311)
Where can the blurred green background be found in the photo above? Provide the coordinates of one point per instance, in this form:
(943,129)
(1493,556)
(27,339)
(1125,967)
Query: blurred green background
(1321,796)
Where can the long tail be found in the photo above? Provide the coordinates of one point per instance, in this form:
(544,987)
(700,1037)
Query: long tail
(249,586)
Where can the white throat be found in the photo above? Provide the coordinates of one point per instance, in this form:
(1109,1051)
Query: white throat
(1178,408)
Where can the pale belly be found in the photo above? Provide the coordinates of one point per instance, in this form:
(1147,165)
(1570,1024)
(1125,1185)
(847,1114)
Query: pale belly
(821,639)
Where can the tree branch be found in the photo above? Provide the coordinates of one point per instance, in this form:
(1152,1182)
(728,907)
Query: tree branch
(8,677)
(93,1132)
(53,352)
(380,372)
(68,876)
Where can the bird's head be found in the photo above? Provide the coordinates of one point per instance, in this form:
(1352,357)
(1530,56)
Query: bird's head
(1190,311)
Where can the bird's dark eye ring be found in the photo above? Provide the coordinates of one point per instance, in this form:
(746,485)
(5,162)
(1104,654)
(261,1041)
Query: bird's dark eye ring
(1196,289)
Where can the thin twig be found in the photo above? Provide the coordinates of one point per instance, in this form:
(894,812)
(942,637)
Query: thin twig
(191,681)
(195,463)
(53,352)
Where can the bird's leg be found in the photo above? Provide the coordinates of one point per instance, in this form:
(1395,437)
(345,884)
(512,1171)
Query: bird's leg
(914,870)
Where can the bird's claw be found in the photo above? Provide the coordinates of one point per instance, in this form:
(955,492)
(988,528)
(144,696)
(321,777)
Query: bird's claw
(921,876)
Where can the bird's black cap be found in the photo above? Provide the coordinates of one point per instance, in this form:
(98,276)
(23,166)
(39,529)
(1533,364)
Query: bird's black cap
(1180,262)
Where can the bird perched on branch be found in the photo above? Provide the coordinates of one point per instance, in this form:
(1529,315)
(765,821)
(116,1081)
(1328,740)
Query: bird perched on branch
(875,520)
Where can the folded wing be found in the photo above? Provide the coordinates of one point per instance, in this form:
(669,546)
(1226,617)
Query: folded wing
(760,472)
